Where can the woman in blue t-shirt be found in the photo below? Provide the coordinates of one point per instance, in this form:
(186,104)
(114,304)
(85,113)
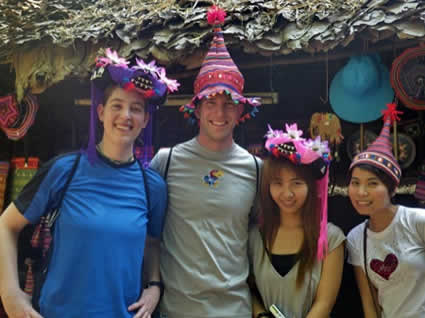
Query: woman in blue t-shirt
(110,209)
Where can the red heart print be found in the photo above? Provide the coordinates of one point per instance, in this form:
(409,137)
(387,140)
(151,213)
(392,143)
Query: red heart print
(384,268)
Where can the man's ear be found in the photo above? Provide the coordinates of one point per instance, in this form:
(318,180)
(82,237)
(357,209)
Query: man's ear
(100,111)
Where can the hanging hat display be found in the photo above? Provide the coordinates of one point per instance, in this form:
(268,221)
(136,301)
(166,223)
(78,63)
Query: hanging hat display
(16,119)
(328,127)
(379,153)
(315,153)
(219,74)
(360,89)
(147,79)
(408,78)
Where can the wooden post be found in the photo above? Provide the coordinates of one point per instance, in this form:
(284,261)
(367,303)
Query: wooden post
(395,140)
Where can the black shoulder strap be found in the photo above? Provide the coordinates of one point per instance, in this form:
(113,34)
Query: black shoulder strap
(71,175)
(145,182)
(168,164)
(369,282)
(53,215)
(40,276)
(257,168)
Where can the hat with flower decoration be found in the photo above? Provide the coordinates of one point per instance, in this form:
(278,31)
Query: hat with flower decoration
(379,154)
(315,154)
(147,79)
(219,74)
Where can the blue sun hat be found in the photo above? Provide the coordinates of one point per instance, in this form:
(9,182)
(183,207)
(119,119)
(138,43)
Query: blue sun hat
(361,89)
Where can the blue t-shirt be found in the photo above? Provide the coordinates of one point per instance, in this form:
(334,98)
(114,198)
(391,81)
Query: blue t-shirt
(99,236)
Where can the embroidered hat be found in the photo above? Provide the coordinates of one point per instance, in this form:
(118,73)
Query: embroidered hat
(360,88)
(148,80)
(379,153)
(219,74)
(16,119)
(315,153)
(408,77)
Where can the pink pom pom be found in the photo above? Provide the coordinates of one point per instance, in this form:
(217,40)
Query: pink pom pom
(215,15)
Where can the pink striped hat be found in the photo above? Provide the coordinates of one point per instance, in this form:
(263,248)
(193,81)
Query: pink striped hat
(219,74)
(379,153)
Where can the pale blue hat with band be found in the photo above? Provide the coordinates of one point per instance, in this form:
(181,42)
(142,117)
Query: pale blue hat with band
(361,89)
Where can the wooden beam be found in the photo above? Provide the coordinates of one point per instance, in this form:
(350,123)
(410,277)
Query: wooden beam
(267,98)
(310,59)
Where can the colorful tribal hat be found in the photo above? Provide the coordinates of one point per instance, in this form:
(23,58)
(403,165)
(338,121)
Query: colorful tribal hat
(16,119)
(315,153)
(379,153)
(358,91)
(219,74)
(149,80)
(408,77)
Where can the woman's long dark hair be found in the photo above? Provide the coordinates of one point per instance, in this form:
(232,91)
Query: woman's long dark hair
(270,213)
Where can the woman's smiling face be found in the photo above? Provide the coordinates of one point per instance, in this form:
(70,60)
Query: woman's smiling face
(367,192)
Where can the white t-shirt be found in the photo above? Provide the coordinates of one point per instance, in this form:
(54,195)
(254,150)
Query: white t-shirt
(396,262)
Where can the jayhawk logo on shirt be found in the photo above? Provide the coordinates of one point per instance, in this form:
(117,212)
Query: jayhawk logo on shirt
(212,178)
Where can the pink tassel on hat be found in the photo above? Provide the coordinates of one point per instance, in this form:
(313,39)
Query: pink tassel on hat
(215,15)
(322,244)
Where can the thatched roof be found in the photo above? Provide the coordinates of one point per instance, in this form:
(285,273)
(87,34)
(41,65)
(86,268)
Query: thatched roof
(176,31)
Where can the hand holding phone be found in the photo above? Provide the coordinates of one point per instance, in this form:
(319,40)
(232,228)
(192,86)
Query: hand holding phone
(276,312)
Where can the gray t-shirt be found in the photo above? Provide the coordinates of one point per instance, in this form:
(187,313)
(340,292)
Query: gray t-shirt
(282,291)
(204,254)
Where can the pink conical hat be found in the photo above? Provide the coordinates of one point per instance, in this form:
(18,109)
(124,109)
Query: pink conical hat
(218,73)
(379,154)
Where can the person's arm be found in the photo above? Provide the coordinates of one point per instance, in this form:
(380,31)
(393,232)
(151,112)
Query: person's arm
(257,303)
(329,284)
(16,302)
(151,295)
(365,293)
(257,306)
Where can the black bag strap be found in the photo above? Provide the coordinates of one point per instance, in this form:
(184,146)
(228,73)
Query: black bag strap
(168,163)
(369,282)
(145,182)
(257,171)
(53,215)
(56,212)
(71,175)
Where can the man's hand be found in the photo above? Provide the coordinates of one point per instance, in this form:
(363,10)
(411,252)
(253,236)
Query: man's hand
(147,302)
(18,305)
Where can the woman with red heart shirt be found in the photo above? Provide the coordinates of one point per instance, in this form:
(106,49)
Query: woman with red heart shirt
(387,250)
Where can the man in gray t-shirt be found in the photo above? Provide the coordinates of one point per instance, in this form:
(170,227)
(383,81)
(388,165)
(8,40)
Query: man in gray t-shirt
(212,184)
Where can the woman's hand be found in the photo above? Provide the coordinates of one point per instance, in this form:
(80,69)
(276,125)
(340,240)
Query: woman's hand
(147,302)
(18,305)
